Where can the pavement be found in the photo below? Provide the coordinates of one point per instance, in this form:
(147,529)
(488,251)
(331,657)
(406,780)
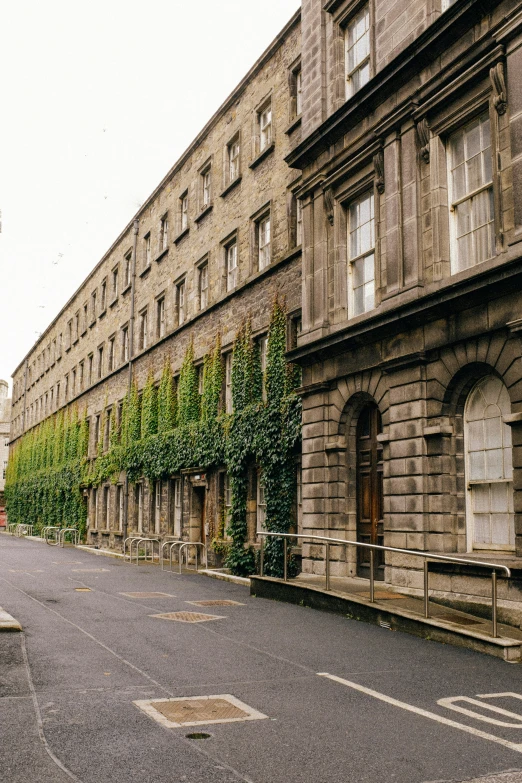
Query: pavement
(344,702)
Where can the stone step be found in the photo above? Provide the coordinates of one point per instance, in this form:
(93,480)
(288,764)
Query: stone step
(399,613)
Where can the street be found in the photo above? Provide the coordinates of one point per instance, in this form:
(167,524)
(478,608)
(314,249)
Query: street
(339,701)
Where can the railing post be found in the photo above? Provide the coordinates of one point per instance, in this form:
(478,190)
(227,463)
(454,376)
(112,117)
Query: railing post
(285,566)
(426,591)
(262,556)
(372,580)
(494,602)
(327,566)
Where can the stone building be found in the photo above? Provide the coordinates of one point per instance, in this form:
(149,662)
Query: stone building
(383,137)
(411,193)
(5,423)
(214,244)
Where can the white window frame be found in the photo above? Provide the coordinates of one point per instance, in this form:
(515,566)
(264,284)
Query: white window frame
(357,67)
(143,324)
(177,505)
(183,211)
(164,232)
(368,253)
(206,187)
(231,264)
(265,129)
(469,197)
(121,505)
(107,507)
(128,268)
(473,484)
(157,506)
(264,241)
(203,285)
(160,311)
(180,302)
(233,158)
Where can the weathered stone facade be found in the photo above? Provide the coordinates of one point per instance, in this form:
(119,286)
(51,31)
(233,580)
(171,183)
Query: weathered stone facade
(213,196)
(404,150)
(5,424)
(436,327)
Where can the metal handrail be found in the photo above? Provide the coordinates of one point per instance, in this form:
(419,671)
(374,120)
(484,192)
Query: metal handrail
(372,547)
(11,528)
(196,544)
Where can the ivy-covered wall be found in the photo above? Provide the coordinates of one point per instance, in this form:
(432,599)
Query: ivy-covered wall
(165,430)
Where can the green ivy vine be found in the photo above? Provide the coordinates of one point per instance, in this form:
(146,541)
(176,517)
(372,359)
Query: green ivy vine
(167,429)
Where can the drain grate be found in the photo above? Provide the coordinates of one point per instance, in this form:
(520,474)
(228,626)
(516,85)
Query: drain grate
(221,602)
(148,595)
(187,617)
(384,595)
(458,620)
(198,710)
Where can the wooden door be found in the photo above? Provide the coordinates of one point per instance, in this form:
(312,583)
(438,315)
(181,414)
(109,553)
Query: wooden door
(370,526)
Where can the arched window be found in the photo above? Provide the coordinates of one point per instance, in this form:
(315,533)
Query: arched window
(489,467)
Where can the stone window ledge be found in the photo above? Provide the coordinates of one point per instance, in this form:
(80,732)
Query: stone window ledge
(296,122)
(162,255)
(181,235)
(262,155)
(231,186)
(145,272)
(204,213)
(113,302)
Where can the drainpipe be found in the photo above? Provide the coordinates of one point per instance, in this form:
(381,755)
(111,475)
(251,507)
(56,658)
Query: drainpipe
(131,353)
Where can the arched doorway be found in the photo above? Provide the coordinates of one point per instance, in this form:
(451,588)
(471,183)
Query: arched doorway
(370,525)
(489,467)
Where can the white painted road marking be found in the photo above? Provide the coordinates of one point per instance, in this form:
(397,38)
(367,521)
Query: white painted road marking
(424,713)
(451,704)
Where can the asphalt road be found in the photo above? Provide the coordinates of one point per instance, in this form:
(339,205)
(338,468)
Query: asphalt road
(68,684)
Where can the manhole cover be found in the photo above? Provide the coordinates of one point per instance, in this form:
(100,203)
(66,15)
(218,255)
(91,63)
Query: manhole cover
(187,617)
(198,710)
(83,589)
(456,618)
(383,595)
(90,570)
(148,595)
(222,602)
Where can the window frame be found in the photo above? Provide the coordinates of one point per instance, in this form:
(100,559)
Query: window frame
(350,261)
(203,268)
(264,142)
(143,329)
(161,317)
(490,186)
(180,301)
(349,19)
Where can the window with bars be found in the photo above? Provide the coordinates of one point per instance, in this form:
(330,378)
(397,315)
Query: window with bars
(94,507)
(157,506)
(176,506)
(471,194)
(361,254)
(231,265)
(107,506)
(489,464)
(203,285)
(357,51)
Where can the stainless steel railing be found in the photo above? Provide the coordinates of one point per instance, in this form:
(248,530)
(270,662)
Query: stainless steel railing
(327,541)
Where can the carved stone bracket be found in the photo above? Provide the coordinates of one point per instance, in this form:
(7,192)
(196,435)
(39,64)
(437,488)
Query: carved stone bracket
(423,134)
(378,164)
(498,82)
(329,205)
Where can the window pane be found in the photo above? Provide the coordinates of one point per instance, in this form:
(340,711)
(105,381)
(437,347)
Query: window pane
(480,498)
(499,497)
(493,432)
(494,464)
(476,466)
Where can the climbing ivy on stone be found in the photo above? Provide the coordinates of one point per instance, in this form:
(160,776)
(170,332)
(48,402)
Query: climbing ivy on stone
(188,391)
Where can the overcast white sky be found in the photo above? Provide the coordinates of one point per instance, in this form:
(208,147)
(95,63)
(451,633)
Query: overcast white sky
(98,101)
